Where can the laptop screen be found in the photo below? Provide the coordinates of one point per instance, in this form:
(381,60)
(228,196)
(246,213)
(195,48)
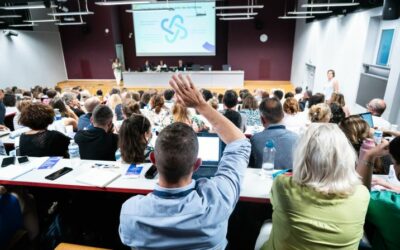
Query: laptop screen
(368,118)
(209,148)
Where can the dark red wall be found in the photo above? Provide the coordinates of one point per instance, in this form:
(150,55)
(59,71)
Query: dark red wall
(263,61)
(88,53)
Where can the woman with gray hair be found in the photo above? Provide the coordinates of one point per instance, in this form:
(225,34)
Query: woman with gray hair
(323,205)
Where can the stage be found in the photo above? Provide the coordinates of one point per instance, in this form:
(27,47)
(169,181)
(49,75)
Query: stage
(106,85)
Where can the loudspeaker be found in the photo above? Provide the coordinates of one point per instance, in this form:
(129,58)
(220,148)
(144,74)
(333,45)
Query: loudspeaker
(391,9)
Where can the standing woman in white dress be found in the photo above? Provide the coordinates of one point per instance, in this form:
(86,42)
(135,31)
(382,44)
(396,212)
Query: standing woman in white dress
(332,86)
(117,68)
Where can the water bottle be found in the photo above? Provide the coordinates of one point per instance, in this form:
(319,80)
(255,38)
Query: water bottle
(367,145)
(378,134)
(268,159)
(58,115)
(118,158)
(73,150)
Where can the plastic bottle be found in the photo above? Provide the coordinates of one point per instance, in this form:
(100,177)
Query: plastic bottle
(267,167)
(367,145)
(73,151)
(118,157)
(57,116)
(378,134)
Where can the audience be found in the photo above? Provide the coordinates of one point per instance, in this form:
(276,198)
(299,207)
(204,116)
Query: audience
(294,120)
(2,108)
(250,111)
(304,101)
(337,113)
(356,131)
(339,98)
(278,94)
(99,137)
(90,104)
(158,112)
(168,96)
(129,108)
(69,117)
(271,117)
(21,104)
(377,107)
(230,101)
(316,99)
(73,103)
(10,102)
(383,215)
(144,100)
(323,205)
(135,134)
(320,112)
(115,102)
(298,93)
(39,141)
(194,214)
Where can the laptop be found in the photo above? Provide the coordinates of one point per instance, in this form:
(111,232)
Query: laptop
(210,152)
(368,118)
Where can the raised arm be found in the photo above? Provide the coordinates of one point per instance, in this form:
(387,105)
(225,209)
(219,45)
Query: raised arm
(188,95)
(365,165)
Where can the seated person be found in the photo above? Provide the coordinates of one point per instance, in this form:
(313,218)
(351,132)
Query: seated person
(182,213)
(377,107)
(2,108)
(181,67)
(323,205)
(84,121)
(162,66)
(10,101)
(73,103)
(158,111)
(250,111)
(337,113)
(383,215)
(147,66)
(98,142)
(21,104)
(135,135)
(39,141)
(320,113)
(168,96)
(182,114)
(230,102)
(69,118)
(294,120)
(271,117)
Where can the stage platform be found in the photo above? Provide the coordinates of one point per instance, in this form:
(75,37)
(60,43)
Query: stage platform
(106,85)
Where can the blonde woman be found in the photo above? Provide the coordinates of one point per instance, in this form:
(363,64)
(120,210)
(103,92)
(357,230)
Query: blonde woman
(182,114)
(320,113)
(294,120)
(323,205)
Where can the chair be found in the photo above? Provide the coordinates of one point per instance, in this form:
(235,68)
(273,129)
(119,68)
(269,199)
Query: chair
(9,121)
(196,67)
(207,67)
(226,67)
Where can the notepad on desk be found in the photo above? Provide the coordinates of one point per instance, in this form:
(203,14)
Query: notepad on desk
(98,177)
(12,172)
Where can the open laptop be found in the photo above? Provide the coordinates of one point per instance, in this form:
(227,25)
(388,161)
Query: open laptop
(368,118)
(210,152)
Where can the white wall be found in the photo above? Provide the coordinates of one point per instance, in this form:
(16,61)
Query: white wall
(32,58)
(341,43)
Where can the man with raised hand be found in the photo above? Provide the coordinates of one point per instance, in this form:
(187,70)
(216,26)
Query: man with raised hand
(182,213)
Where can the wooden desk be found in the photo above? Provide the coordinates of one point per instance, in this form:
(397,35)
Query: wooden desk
(254,189)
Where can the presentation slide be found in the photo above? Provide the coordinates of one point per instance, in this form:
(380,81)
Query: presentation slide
(187,30)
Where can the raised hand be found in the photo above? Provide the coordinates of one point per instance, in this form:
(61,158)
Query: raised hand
(186,93)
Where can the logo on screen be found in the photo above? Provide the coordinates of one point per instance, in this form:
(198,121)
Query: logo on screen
(174,28)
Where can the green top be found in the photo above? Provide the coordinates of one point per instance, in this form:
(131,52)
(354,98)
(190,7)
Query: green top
(384,215)
(306,219)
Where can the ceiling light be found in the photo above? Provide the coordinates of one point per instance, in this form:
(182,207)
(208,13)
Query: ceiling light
(120,3)
(23,25)
(77,13)
(238,14)
(312,12)
(295,17)
(239,7)
(67,24)
(321,5)
(10,16)
(26,7)
(150,9)
(235,18)
(41,21)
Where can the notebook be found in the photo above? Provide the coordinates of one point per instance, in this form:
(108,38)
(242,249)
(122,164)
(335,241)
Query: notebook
(98,177)
(210,152)
(12,172)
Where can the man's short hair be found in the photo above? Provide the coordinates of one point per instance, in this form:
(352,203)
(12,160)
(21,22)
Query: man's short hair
(298,90)
(207,95)
(176,151)
(271,109)
(168,94)
(9,100)
(316,99)
(102,115)
(68,98)
(288,95)
(230,98)
(91,103)
(51,93)
(377,106)
(278,94)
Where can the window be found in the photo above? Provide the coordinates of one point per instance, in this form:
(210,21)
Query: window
(384,47)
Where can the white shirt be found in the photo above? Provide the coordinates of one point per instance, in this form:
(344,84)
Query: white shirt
(379,122)
(328,89)
(296,123)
